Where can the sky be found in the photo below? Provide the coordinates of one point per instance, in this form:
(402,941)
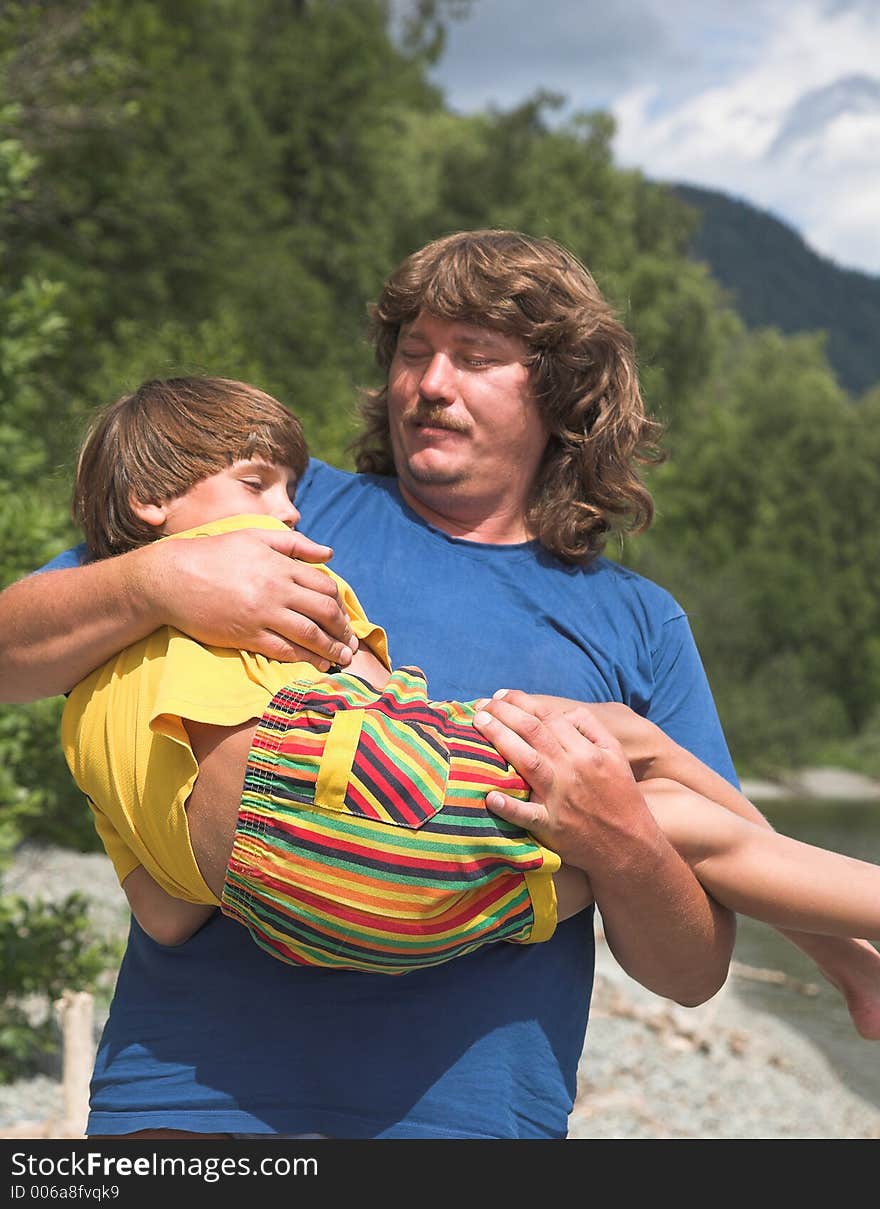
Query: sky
(776,102)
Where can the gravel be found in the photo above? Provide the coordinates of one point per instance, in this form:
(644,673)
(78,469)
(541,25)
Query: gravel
(650,1070)
(721,1071)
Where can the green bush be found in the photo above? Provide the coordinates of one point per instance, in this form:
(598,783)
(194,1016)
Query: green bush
(860,753)
(38,798)
(776,720)
(45,949)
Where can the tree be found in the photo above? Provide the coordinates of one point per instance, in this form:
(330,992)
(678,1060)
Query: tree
(767,533)
(45,947)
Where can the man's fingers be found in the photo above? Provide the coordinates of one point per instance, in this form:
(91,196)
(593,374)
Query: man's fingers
(524,701)
(525,721)
(313,616)
(298,632)
(303,617)
(303,572)
(522,740)
(329,615)
(276,646)
(529,815)
(245,590)
(581,717)
(295,545)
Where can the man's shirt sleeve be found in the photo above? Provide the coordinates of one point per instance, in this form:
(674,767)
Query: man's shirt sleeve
(682,703)
(74,557)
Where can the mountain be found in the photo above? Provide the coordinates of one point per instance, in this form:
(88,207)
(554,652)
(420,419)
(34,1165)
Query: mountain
(776,280)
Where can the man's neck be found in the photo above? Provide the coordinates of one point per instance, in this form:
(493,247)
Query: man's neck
(471,520)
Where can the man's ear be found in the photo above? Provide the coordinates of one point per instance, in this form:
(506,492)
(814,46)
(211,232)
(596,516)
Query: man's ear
(153,514)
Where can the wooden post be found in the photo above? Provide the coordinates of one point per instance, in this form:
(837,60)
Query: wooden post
(75,1011)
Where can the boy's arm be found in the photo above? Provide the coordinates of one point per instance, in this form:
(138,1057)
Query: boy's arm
(168,920)
(57,627)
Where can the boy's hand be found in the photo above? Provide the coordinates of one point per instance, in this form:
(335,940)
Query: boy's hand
(251,590)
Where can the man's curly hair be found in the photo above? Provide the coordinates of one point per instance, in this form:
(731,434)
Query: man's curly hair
(582,370)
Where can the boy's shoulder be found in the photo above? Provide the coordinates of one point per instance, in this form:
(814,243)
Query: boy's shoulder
(77,556)
(229,524)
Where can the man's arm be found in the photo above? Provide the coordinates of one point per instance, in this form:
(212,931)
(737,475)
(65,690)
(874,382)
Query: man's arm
(662,927)
(247,590)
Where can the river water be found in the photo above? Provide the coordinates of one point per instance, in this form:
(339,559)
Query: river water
(852,828)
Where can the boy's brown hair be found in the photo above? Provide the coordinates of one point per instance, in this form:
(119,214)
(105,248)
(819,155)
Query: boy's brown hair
(156,443)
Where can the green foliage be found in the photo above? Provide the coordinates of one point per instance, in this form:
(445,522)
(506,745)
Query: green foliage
(42,954)
(44,949)
(38,799)
(767,533)
(243,181)
(768,735)
(859,752)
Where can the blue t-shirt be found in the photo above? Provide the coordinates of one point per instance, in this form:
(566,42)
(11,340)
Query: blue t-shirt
(217,1036)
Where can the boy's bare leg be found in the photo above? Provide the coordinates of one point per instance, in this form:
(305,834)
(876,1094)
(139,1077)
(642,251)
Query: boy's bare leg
(817,899)
(756,871)
(573,891)
(850,965)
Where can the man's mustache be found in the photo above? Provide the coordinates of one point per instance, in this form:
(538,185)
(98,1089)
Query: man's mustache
(435,418)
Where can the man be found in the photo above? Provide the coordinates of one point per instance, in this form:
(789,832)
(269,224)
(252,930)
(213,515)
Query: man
(512,420)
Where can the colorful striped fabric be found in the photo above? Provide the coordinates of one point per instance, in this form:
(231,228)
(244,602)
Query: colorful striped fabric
(363,839)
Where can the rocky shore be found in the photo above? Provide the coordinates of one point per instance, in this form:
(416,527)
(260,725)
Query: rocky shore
(650,1069)
(725,1070)
(721,1071)
(826,784)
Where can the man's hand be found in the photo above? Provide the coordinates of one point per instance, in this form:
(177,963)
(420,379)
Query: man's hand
(253,590)
(577,771)
(660,924)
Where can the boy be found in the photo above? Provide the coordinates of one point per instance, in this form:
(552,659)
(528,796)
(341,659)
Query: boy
(361,838)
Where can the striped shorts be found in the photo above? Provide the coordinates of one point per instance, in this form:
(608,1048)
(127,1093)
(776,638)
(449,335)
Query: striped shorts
(363,839)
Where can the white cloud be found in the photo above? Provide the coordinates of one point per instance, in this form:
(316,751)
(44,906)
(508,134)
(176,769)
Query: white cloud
(840,213)
(825,182)
(701,90)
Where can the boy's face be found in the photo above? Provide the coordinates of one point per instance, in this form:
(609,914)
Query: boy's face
(251,486)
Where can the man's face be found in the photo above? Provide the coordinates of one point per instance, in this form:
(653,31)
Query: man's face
(463,418)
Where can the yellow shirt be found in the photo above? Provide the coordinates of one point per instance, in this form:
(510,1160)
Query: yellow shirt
(127,747)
